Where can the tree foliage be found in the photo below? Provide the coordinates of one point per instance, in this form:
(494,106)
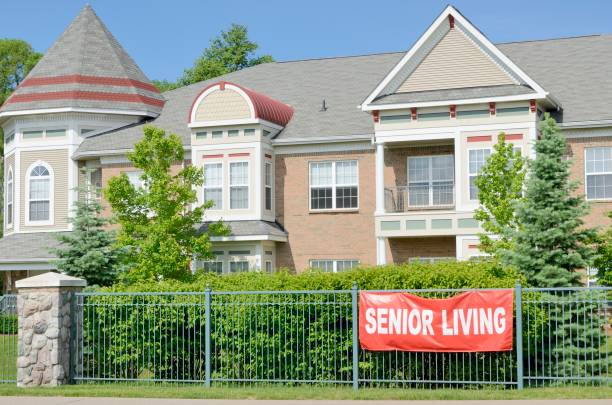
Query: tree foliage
(551,241)
(229,52)
(603,262)
(500,188)
(17,58)
(158,221)
(88,251)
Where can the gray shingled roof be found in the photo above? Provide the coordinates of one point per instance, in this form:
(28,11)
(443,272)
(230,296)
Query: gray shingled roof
(18,247)
(250,228)
(576,71)
(453,94)
(86,49)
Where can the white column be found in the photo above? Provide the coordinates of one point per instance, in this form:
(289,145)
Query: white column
(459,157)
(380,178)
(381,251)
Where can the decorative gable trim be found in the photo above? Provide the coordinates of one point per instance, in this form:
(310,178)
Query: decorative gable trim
(437,30)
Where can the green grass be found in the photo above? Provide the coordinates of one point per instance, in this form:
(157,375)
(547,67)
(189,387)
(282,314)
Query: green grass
(8,357)
(271,392)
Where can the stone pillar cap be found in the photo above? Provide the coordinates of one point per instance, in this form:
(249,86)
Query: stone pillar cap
(50,279)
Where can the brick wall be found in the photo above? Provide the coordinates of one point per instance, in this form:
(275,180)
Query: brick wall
(402,249)
(599,209)
(346,235)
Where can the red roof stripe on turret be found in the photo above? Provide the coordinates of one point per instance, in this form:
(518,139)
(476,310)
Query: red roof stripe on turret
(266,108)
(84,95)
(109,81)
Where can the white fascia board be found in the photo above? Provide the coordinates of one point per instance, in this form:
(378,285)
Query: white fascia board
(441,18)
(27,266)
(397,137)
(585,124)
(499,99)
(248,238)
(74,109)
(450,131)
(227,123)
(459,19)
(323,139)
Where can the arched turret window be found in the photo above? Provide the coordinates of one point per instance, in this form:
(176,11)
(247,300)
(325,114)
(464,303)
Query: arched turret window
(40,193)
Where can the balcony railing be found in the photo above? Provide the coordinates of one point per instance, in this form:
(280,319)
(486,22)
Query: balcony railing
(419,196)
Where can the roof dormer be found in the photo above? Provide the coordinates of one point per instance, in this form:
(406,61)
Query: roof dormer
(224,103)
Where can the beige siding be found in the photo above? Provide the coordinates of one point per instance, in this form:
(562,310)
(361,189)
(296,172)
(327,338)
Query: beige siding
(455,62)
(222,105)
(58,160)
(9,162)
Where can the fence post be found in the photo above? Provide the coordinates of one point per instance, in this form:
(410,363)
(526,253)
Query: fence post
(355,338)
(519,335)
(207,312)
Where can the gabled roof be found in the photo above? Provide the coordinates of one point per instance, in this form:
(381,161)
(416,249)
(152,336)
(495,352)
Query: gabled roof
(261,106)
(86,69)
(576,70)
(479,59)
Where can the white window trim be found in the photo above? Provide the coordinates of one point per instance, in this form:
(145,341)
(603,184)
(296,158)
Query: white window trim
(268,186)
(431,182)
(586,196)
(10,184)
(50,221)
(333,186)
(204,186)
(469,175)
(266,267)
(230,185)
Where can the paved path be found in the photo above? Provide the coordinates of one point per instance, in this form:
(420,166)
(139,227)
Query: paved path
(149,401)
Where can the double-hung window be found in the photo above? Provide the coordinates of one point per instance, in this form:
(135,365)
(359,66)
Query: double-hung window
(239,185)
(333,266)
(334,185)
(135,179)
(268,185)
(431,180)
(213,184)
(598,172)
(477,159)
(9,197)
(39,196)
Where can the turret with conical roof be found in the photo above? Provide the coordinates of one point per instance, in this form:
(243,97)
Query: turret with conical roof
(86,69)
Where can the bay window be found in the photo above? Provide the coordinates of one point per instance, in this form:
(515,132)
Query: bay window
(213,184)
(239,185)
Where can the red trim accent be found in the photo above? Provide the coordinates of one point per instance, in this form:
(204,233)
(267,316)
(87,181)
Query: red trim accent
(413,113)
(221,85)
(480,138)
(532,105)
(219,155)
(239,154)
(376,115)
(492,108)
(473,246)
(514,137)
(265,107)
(268,156)
(451,21)
(108,81)
(85,95)
(453,111)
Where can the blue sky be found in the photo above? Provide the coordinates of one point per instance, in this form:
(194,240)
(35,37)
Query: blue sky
(165,37)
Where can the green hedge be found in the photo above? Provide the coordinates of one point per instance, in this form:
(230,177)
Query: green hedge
(451,274)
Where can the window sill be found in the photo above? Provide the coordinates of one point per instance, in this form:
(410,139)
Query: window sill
(335,211)
(599,200)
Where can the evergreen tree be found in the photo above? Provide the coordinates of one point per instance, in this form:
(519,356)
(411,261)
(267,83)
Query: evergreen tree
(551,242)
(88,251)
(500,185)
(603,262)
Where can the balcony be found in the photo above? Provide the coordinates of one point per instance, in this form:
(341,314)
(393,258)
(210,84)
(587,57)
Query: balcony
(419,197)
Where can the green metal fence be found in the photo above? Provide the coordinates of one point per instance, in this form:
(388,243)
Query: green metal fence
(298,337)
(8,338)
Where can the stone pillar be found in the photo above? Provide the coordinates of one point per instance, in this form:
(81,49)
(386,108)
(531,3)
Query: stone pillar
(44,305)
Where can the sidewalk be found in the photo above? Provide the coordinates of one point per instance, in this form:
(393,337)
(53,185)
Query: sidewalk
(149,401)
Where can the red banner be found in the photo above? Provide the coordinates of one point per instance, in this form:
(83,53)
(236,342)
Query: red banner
(475,321)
